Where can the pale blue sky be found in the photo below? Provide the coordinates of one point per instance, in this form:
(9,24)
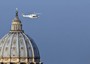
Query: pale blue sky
(62,32)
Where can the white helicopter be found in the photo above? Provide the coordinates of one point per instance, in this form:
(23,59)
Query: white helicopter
(32,15)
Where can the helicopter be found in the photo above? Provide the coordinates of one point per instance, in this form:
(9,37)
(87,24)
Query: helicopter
(32,15)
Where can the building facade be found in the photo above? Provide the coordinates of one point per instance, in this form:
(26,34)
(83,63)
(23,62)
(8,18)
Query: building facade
(16,47)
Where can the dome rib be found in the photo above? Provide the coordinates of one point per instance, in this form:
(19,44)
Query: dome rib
(18,46)
(25,45)
(11,44)
(31,47)
(3,51)
(36,51)
(35,48)
(2,44)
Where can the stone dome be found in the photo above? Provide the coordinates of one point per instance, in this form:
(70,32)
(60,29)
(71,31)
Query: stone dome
(17,47)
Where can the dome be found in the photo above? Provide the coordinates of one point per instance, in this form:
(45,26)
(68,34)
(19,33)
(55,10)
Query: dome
(17,47)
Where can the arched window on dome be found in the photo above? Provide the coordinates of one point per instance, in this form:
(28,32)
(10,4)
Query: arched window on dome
(31,63)
(1,63)
(22,63)
(13,63)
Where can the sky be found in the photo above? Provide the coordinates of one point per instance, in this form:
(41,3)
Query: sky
(62,33)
